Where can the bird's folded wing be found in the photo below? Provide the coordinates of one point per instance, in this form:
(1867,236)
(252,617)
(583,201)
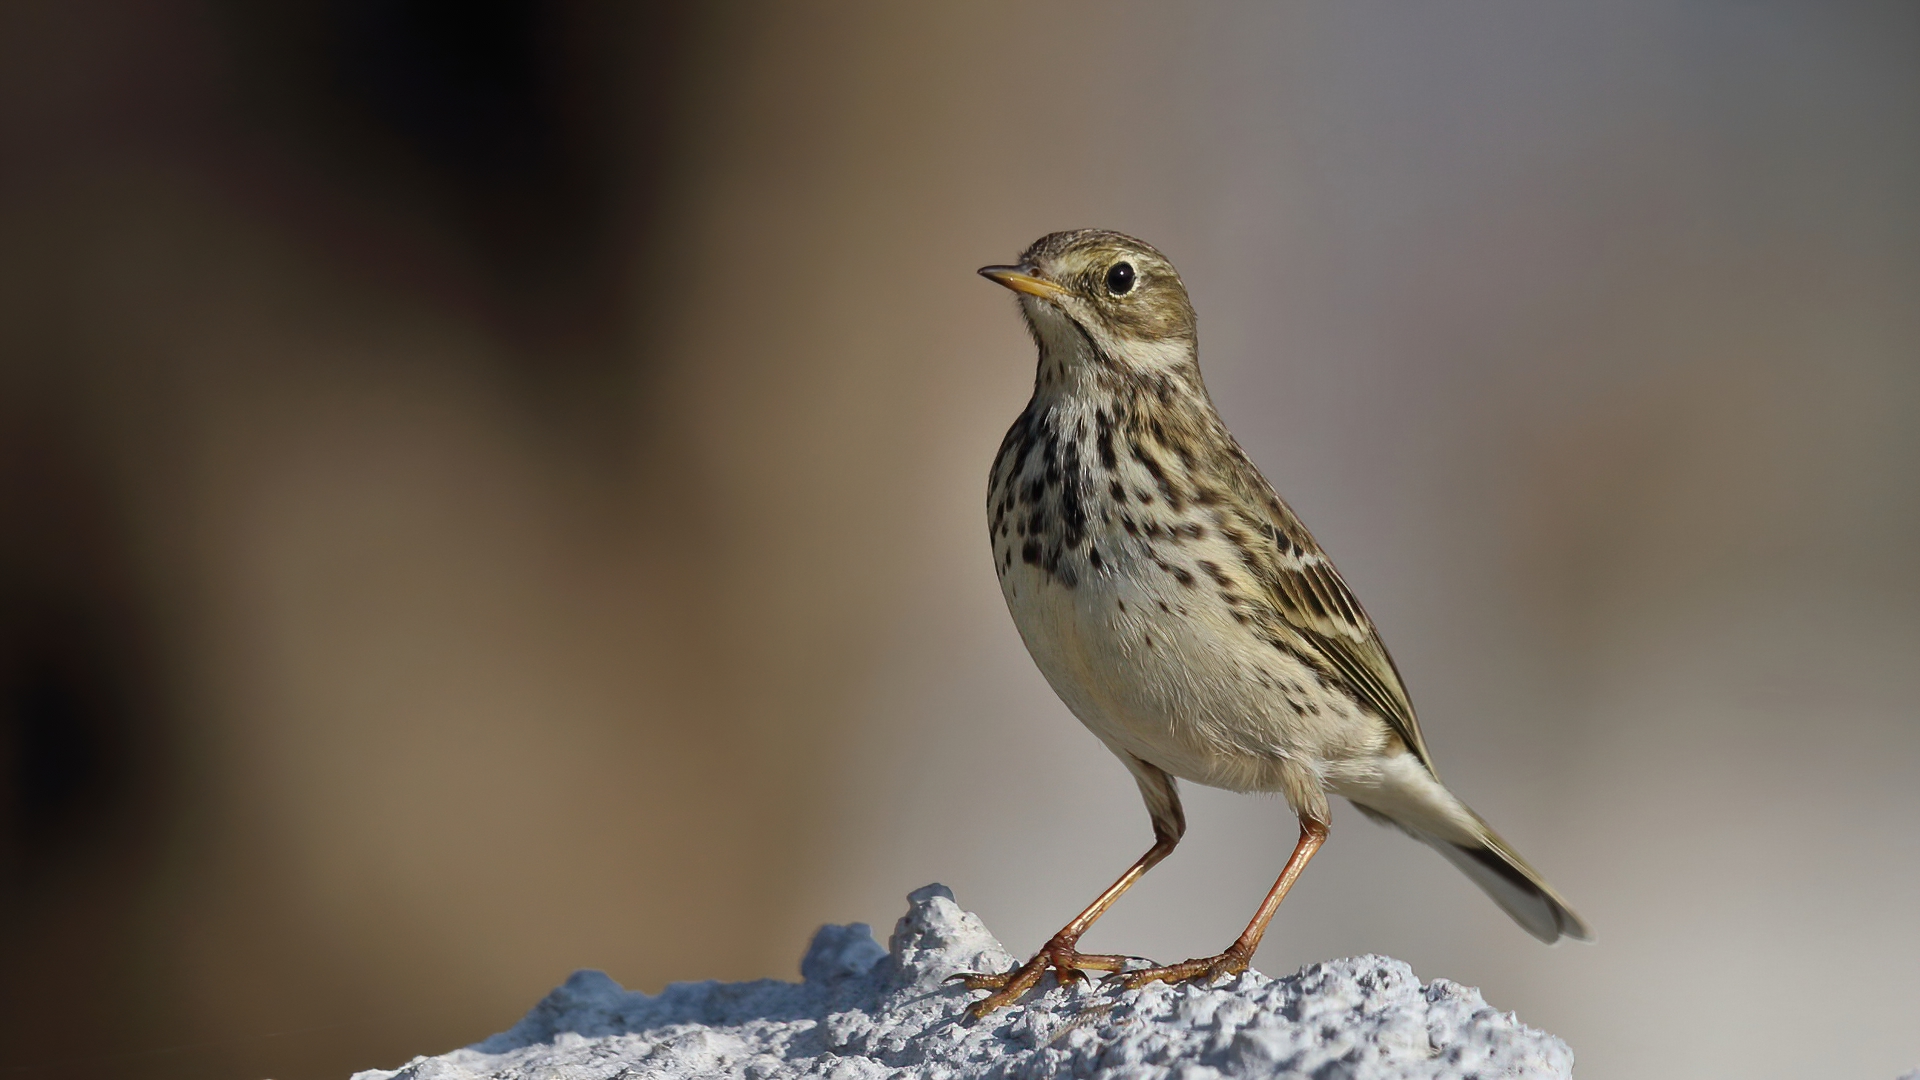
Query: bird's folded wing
(1308,593)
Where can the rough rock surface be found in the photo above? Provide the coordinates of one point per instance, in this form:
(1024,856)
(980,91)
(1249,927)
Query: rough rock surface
(863,1013)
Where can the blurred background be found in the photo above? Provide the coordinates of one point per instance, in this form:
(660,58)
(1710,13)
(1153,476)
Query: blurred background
(492,488)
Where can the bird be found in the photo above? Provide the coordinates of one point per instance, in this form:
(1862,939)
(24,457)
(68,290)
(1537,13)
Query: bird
(1183,613)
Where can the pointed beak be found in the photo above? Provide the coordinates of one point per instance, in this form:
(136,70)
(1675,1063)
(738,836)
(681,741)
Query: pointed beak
(1022,280)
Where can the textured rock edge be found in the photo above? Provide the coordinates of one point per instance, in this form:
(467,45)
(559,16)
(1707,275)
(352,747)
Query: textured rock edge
(863,1012)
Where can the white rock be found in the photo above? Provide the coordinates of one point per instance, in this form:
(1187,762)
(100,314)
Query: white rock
(863,1013)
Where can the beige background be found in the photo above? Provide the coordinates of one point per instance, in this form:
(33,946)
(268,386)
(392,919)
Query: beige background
(460,575)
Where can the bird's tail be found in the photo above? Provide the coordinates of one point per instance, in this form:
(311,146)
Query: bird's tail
(1420,806)
(1518,888)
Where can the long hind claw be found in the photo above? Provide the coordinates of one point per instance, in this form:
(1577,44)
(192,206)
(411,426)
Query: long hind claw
(1068,965)
(1205,969)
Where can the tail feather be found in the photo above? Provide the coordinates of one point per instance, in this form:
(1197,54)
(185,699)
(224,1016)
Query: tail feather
(1410,799)
(1516,887)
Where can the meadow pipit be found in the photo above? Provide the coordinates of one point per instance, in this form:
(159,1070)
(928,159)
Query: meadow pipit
(1185,615)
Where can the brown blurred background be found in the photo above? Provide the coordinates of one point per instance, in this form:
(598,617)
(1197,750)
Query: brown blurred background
(493,488)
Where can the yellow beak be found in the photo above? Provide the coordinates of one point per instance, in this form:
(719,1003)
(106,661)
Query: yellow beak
(1020,280)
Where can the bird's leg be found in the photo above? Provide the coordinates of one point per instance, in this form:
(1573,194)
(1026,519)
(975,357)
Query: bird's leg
(1239,955)
(1059,953)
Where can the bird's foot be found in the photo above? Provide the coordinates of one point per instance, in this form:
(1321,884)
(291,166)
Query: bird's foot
(1205,969)
(1068,964)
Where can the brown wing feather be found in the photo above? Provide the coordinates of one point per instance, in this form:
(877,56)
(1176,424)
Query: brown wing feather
(1328,622)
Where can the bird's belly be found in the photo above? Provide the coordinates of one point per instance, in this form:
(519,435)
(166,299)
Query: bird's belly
(1161,670)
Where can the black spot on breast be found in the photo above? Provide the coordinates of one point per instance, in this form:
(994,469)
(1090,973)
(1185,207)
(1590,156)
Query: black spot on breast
(1073,514)
(1013,448)
(1126,522)
(1116,492)
(1148,638)
(1181,575)
(1057,499)
(1213,571)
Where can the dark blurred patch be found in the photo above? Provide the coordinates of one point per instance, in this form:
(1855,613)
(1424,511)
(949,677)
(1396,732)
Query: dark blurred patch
(66,719)
(494,165)
(470,85)
(85,744)
(79,752)
(532,139)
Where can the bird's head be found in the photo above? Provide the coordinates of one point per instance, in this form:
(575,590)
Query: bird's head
(1093,296)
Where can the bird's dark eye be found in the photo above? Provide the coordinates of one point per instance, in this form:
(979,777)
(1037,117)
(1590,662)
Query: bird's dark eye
(1120,278)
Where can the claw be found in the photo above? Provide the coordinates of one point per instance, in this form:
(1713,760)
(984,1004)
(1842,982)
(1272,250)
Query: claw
(1009,988)
(979,980)
(1119,974)
(1057,956)
(1204,969)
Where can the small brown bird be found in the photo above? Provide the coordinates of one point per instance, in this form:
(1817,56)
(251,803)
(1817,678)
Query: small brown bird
(1184,614)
